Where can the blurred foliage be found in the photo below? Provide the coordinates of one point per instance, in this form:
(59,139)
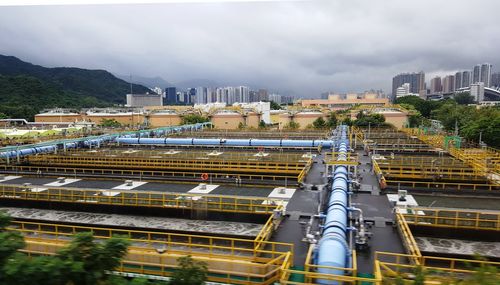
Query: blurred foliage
(332,120)
(110,123)
(464,98)
(373,120)
(194,119)
(470,120)
(319,123)
(190,272)
(84,261)
(292,125)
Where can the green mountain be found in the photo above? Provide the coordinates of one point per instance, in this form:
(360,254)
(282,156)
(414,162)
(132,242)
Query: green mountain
(25,89)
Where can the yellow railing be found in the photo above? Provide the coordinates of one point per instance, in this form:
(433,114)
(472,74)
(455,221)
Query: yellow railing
(221,155)
(147,260)
(438,270)
(476,158)
(170,164)
(449,218)
(266,232)
(311,274)
(408,239)
(446,186)
(201,245)
(224,177)
(217,203)
(304,171)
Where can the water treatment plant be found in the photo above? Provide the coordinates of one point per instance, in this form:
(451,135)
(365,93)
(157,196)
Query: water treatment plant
(346,205)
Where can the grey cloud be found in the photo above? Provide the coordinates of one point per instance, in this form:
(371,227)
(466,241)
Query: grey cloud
(306,47)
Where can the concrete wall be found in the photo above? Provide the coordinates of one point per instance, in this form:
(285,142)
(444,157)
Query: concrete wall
(227,121)
(398,119)
(164,120)
(67,118)
(253,120)
(283,120)
(306,119)
(135,119)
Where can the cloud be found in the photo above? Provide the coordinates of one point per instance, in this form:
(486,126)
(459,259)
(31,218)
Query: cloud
(304,47)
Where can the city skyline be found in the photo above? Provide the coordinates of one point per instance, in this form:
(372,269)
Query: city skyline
(301,48)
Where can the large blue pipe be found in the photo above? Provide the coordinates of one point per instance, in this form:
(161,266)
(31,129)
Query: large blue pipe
(333,249)
(95,141)
(226,142)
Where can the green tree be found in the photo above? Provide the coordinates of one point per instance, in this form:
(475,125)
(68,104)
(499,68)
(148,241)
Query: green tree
(194,119)
(332,120)
(292,125)
(347,121)
(463,98)
(110,123)
(95,258)
(190,272)
(262,124)
(275,106)
(319,123)
(10,241)
(372,119)
(3,116)
(424,107)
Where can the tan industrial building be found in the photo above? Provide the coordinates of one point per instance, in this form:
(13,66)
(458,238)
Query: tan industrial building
(229,118)
(338,101)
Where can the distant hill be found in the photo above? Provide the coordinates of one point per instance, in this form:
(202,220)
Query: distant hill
(26,88)
(150,82)
(157,81)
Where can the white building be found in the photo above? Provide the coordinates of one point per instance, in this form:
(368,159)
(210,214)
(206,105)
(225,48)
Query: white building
(264,108)
(143,100)
(404,90)
(477,91)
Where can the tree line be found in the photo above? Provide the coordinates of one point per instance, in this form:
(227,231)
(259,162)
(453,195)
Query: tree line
(471,121)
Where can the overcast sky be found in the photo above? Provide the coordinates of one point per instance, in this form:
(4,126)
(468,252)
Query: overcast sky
(306,47)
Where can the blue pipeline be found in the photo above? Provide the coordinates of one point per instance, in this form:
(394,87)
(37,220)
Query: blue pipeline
(333,249)
(226,142)
(96,141)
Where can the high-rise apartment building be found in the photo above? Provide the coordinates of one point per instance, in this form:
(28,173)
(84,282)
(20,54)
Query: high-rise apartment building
(170,96)
(476,74)
(485,76)
(458,80)
(263,95)
(191,95)
(482,73)
(466,79)
(416,81)
(449,84)
(495,79)
(201,95)
(436,86)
